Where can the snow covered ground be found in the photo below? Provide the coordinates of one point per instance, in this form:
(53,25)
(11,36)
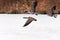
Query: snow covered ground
(45,28)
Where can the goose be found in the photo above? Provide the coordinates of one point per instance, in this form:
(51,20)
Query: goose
(30,19)
(51,11)
(34,7)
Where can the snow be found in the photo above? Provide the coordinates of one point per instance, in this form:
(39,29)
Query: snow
(45,28)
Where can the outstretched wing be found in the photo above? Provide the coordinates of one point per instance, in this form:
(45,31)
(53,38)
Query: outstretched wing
(28,22)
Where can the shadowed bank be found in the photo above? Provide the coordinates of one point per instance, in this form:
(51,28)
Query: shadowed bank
(22,6)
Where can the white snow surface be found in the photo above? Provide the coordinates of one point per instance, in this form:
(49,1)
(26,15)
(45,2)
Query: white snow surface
(45,28)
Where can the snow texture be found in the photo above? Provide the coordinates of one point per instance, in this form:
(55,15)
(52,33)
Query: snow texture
(45,28)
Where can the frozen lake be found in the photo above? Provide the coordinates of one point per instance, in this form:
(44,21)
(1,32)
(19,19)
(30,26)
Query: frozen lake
(45,28)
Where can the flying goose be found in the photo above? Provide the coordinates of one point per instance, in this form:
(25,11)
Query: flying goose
(51,11)
(34,7)
(30,19)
